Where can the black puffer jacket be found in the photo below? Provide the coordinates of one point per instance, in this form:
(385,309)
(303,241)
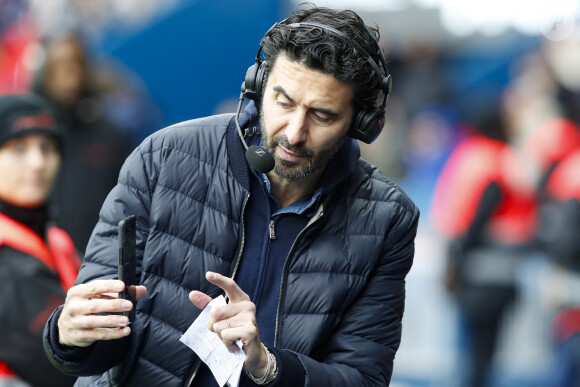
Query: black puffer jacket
(343,284)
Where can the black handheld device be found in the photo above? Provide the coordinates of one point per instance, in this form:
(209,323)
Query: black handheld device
(127,272)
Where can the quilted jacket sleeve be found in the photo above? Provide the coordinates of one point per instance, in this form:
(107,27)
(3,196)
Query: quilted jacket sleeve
(131,196)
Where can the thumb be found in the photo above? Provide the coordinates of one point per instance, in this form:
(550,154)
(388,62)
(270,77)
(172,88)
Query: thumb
(199,299)
(140,291)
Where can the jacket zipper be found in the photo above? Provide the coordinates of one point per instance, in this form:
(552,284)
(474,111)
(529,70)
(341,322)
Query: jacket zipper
(195,369)
(197,363)
(243,239)
(315,218)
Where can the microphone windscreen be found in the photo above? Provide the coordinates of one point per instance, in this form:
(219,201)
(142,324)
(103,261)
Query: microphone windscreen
(260,159)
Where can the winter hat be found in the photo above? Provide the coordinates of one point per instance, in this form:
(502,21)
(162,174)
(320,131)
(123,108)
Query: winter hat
(22,114)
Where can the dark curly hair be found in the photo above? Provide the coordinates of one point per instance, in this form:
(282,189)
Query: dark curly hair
(324,51)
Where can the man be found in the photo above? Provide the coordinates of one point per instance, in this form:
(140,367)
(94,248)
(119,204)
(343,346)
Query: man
(311,255)
(38,262)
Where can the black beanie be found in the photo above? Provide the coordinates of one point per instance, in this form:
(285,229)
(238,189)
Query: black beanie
(22,114)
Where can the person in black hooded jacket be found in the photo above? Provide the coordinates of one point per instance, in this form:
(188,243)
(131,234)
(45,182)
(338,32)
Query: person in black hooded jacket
(311,254)
(38,262)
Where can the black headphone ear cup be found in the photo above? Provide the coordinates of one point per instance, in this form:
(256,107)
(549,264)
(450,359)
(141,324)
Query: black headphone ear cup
(368,124)
(254,82)
(261,80)
(250,81)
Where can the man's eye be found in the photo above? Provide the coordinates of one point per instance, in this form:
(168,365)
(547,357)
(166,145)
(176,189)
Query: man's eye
(321,117)
(283,105)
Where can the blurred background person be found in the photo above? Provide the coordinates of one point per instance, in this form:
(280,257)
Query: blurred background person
(553,149)
(95,147)
(485,205)
(38,262)
(17,36)
(543,102)
(559,237)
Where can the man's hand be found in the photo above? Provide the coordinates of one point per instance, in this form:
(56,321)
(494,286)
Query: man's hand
(236,320)
(85,316)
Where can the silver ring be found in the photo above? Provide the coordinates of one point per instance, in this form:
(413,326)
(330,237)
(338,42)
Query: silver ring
(229,325)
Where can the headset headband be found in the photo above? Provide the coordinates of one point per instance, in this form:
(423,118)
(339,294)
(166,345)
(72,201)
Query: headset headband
(385,80)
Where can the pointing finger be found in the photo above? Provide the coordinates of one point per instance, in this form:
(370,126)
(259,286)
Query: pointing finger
(233,291)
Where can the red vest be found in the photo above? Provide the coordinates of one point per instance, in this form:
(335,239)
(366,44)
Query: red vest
(474,164)
(59,255)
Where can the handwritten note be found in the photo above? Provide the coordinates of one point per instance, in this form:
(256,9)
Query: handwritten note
(225,366)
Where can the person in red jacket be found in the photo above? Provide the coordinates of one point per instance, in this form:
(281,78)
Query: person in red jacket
(485,207)
(38,261)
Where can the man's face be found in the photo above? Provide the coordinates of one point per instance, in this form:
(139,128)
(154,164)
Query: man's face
(305,117)
(28,167)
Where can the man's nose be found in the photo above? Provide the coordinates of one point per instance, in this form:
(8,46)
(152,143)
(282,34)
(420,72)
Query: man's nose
(297,128)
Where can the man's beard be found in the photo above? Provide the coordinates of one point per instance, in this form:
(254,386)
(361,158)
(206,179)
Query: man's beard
(287,169)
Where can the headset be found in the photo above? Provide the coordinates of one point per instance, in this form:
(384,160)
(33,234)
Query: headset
(367,123)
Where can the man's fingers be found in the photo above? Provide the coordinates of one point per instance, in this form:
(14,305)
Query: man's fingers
(199,299)
(96,288)
(92,312)
(85,337)
(230,335)
(233,291)
(108,334)
(88,320)
(98,305)
(220,325)
(101,321)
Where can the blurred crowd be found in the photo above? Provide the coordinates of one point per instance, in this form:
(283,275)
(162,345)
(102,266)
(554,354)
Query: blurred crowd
(499,187)
(48,48)
(497,183)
